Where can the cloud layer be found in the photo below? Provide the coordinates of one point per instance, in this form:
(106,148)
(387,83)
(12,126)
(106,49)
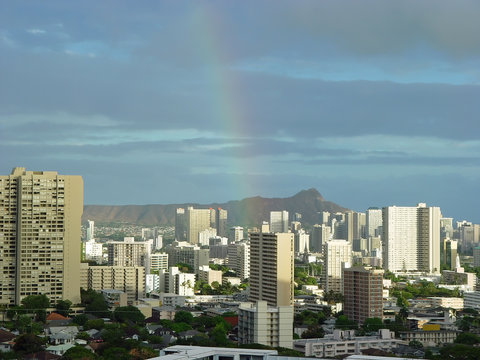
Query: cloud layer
(374,103)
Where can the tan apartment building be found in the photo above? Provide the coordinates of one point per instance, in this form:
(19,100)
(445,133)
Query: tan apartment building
(128,252)
(263,324)
(129,279)
(198,220)
(40,219)
(271,268)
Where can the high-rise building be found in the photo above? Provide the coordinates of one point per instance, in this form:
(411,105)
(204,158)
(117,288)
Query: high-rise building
(337,256)
(373,222)
(449,253)
(302,241)
(93,251)
(279,221)
(363,293)
(183,252)
(40,234)
(236,234)
(271,268)
(91,230)
(197,220)
(221,222)
(157,262)
(239,259)
(476,256)
(320,235)
(446,228)
(128,252)
(411,238)
(180,225)
(325,218)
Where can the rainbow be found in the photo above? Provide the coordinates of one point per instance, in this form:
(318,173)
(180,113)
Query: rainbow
(229,108)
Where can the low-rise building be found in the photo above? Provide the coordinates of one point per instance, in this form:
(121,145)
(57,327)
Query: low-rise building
(129,279)
(459,277)
(472,300)
(209,276)
(430,338)
(344,342)
(262,324)
(447,302)
(114,298)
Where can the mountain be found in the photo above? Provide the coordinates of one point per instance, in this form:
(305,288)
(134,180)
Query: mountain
(246,212)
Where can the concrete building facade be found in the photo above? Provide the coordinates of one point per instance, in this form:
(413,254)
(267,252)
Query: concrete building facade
(363,293)
(411,238)
(197,220)
(271,268)
(40,234)
(130,280)
(279,221)
(337,256)
(261,324)
(128,252)
(239,258)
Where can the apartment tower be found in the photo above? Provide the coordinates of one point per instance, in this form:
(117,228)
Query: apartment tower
(40,234)
(363,293)
(197,220)
(271,268)
(411,238)
(279,221)
(337,256)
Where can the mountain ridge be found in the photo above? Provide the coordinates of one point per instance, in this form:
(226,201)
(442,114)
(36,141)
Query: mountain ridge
(246,212)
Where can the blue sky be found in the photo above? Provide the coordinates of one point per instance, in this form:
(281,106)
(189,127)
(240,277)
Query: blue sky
(373,103)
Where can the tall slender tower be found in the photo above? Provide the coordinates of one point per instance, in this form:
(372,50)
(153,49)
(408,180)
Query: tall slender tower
(279,221)
(221,222)
(91,230)
(337,256)
(40,234)
(411,238)
(271,268)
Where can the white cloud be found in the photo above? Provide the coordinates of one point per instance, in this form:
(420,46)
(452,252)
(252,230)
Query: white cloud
(59,118)
(36,31)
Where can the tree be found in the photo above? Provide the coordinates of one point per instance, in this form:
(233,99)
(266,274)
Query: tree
(79,353)
(415,344)
(184,316)
(63,307)
(467,339)
(344,323)
(80,319)
(313,331)
(97,324)
(372,324)
(141,353)
(128,313)
(116,353)
(460,352)
(183,267)
(94,303)
(23,323)
(219,335)
(28,343)
(36,304)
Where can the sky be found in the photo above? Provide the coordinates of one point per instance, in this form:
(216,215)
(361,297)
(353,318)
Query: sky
(372,102)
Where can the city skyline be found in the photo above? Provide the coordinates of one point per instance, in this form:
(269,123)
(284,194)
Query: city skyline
(372,103)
